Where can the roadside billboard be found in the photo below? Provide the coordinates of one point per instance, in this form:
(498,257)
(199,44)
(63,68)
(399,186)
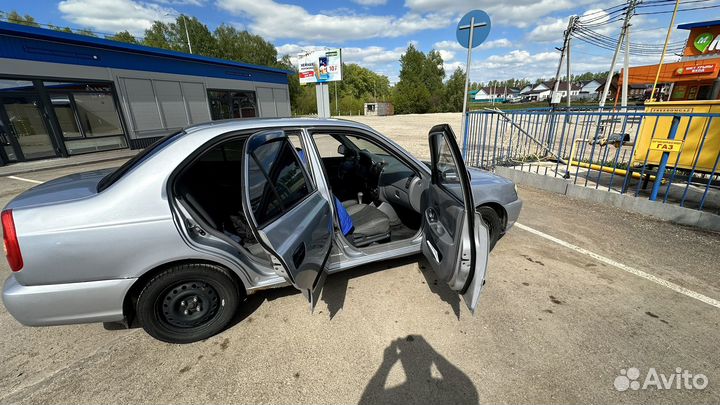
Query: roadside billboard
(320,66)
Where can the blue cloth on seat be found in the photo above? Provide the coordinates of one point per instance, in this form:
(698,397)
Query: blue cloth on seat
(346,224)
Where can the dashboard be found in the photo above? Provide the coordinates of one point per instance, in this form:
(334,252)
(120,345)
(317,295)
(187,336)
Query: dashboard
(398,184)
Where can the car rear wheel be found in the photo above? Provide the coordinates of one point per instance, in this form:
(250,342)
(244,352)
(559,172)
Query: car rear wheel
(187,303)
(493,222)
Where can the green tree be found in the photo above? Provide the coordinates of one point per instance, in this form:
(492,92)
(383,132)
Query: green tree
(16,18)
(294,87)
(242,46)
(157,36)
(201,39)
(433,76)
(86,32)
(411,94)
(124,36)
(59,28)
(454,89)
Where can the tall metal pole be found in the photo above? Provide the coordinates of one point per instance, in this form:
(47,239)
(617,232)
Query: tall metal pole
(626,68)
(568,31)
(667,39)
(187,33)
(337,110)
(467,75)
(628,14)
(569,82)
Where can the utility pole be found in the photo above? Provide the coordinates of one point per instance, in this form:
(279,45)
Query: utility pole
(662,57)
(566,43)
(626,23)
(569,82)
(626,68)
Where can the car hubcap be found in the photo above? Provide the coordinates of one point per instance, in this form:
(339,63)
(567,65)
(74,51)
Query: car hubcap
(189,304)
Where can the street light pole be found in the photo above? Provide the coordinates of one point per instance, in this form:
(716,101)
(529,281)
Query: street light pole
(187,33)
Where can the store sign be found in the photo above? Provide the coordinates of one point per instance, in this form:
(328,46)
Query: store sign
(695,70)
(320,66)
(703,41)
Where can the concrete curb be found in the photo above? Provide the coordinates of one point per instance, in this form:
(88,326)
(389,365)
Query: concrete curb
(667,212)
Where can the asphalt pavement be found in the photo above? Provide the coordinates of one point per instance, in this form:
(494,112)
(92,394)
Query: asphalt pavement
(577,298)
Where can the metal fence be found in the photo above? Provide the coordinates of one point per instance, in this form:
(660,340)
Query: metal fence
(675,152)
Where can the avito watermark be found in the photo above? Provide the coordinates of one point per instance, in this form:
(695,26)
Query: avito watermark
(679,380)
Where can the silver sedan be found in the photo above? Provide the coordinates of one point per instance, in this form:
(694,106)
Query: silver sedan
(178,236)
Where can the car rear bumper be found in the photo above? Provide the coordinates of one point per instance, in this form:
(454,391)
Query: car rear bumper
(513,212)
(59,304)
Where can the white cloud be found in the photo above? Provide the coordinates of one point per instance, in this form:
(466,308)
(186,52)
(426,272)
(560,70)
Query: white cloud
(370,2)
(296,22)
(550,30)
(114,15)
(183,2)
(497,43)
(519,13)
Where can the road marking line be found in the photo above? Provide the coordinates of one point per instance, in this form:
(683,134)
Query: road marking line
(631,270)
(24,179)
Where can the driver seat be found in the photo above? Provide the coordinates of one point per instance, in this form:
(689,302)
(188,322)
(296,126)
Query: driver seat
(370,224)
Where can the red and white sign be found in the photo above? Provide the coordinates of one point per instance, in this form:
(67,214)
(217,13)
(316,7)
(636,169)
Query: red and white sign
(695,70)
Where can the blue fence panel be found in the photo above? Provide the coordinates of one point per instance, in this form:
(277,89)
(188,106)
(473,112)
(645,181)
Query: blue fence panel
(600,149)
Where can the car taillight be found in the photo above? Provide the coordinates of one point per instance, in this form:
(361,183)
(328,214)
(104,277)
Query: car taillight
(12,247)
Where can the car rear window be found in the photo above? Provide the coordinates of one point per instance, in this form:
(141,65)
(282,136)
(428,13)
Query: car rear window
(146,153)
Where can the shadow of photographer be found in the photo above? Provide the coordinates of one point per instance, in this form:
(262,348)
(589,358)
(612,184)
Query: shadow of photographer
(444,384)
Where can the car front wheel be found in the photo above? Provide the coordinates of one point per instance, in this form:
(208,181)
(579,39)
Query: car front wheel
(493,222)
(187,303)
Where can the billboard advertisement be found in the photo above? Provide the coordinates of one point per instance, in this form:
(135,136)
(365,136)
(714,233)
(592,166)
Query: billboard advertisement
(320,66)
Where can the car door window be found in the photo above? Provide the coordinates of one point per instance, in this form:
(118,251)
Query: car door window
(447,173)
(277,180)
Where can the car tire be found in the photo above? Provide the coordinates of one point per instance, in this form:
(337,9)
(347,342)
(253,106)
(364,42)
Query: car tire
(187,303)
(493,222)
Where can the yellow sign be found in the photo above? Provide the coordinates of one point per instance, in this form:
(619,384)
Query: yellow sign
(665,145)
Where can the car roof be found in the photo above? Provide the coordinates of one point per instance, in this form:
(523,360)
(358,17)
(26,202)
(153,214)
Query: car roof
(250,123)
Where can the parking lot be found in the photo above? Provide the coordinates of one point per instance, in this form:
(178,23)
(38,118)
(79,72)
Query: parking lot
(575,293)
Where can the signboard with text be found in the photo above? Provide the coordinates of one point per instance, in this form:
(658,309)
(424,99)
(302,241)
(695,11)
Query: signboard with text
(320,66)
(703,41)
(696,70)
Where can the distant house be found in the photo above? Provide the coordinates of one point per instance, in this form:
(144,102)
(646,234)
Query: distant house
(489,94)
(380,109)
(588,89)
(542,91)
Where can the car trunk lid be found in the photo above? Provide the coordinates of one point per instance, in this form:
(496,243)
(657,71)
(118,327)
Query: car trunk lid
(68,188)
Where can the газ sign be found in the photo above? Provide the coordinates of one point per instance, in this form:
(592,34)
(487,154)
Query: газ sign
(320,66)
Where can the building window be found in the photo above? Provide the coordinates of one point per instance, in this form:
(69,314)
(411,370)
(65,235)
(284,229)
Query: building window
(225,104)
(88,116)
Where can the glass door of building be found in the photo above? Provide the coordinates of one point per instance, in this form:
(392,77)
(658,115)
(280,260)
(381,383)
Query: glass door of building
(24,129)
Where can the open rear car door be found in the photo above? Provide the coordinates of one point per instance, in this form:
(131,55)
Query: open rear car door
(289,217)
(455,238)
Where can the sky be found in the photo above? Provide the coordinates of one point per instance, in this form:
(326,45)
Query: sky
(375,33)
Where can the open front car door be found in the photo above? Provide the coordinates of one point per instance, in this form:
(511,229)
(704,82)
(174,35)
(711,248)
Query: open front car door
(455,239)
(289,217)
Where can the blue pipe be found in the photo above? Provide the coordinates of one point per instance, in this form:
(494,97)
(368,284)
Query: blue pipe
(664,159)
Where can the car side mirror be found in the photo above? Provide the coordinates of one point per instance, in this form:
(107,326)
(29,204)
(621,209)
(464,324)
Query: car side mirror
(341,149)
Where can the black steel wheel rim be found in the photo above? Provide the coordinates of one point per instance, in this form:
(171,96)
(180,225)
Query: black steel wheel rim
(188,304)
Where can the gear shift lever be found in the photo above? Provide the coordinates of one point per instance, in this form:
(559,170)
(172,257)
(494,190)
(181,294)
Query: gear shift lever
(360,195)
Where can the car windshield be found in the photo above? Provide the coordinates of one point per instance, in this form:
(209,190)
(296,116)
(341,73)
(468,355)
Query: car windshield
(146,153)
